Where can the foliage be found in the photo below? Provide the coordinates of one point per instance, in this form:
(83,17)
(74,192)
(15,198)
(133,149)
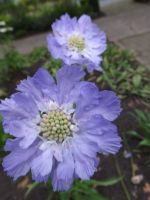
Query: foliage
(143,130)
(15,66)
(123,74)
(15,63)
(35,16)
(52,66)
(88,189)
(80,190)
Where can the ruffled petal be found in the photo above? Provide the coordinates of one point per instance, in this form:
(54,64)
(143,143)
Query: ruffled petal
(26,130)
(104,103)
(11,144)
(54,47)
(84,165)
(109,105)
(42,165)
(64,173)
(87,148)
(18,162)
(87,98)
(67,24)
(43,80)
(67,77)
(40,86)
(103,133)
(19,106)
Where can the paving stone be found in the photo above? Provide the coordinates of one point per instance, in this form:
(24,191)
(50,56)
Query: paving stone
(140,44)
(132,22)
(27,44)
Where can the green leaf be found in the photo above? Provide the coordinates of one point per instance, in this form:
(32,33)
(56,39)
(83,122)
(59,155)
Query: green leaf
(134,133)
(63,195)
(95,196)
(86,189)
(140,115)
(136,80)
(87,192)
(104,183)
(145,142)
(76,196)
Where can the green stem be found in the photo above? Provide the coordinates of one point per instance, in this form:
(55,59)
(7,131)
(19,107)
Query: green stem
(122,180)
(131,159)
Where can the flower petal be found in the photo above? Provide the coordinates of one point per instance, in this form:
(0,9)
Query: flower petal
(64,173)
(42,164)
(26,130)
(39,86)
(18,162)
(19,106)
(84,165)
(67,77)
(109,106)
(103,133)
(104,103)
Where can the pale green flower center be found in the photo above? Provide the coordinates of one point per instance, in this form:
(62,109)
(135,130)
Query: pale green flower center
(55,125)
(76,43)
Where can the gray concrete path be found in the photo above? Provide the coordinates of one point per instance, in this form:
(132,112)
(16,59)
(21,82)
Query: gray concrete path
(127,24)
(27,44)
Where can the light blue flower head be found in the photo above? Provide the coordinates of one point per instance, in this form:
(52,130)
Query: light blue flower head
(77,42)
(58,127)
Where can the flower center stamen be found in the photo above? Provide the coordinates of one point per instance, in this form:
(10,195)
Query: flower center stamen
(55,125)
(76,43)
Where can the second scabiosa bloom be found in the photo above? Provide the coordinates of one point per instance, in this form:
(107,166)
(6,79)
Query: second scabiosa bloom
(77,42)
(58,127)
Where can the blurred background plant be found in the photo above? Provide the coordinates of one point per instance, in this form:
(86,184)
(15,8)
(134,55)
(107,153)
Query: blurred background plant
(15,66)
(143,128)
(123,74)
(27,16)
(118,75)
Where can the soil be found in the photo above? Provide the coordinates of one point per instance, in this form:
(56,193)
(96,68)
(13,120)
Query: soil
(111,166)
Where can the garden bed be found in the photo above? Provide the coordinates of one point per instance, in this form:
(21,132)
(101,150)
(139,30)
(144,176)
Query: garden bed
(132,85)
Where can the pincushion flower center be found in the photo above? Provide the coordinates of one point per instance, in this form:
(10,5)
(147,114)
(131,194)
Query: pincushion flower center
(76,43)
(55,125)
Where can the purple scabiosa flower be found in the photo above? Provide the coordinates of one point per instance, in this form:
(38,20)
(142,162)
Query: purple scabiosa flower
(77,42)
(58,127)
